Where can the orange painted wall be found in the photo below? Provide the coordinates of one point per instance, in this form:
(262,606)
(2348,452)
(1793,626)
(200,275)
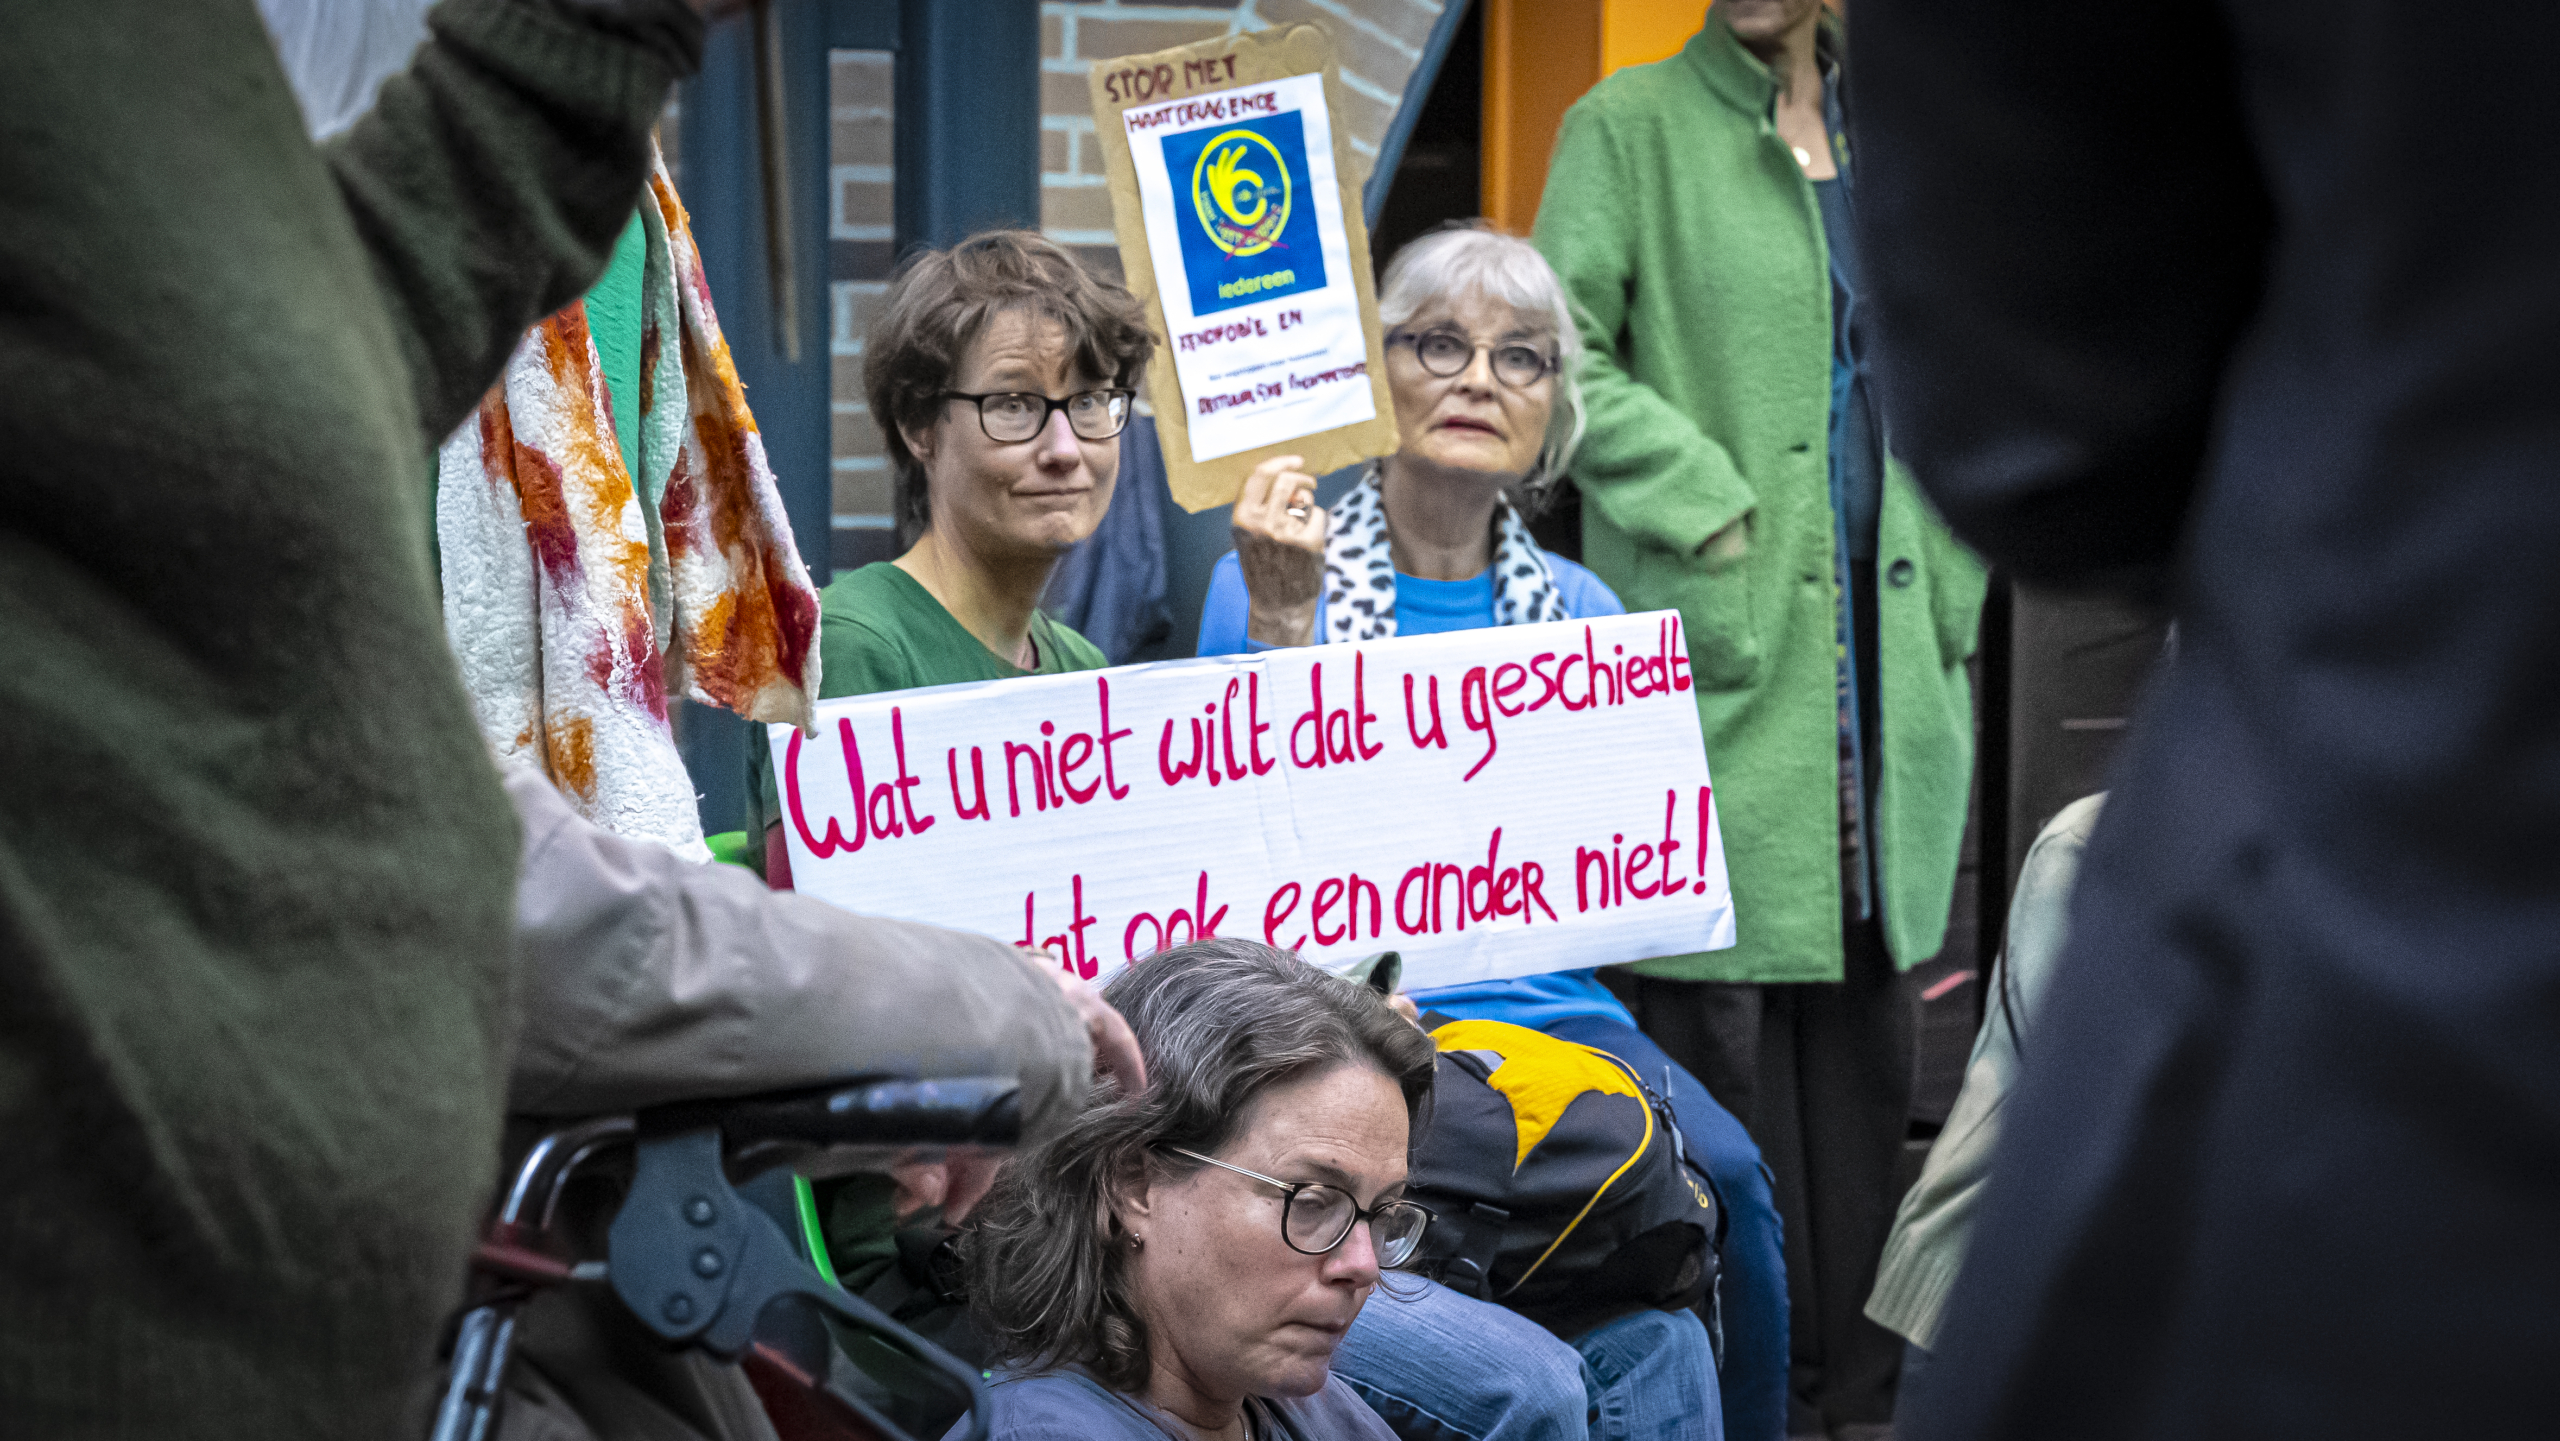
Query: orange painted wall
(1639,32)
(1539,56)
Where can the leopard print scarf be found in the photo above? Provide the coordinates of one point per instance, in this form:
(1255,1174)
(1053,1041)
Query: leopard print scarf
(1360,569)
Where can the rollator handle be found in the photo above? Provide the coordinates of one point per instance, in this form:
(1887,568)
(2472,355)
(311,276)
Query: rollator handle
(698,1265)
(871,1111)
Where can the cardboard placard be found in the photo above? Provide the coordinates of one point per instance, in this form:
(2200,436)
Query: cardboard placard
(1489,803)
(1236,199)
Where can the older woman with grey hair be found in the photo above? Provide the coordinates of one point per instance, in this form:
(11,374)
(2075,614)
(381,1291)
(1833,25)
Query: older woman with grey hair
(1482,357)
(1181,1262)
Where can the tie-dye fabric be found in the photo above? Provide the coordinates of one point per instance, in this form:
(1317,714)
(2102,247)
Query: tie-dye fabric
(578,597)
(746,616)
(546,561)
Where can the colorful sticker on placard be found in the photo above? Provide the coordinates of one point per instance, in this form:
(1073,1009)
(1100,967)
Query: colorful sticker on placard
(1252,232)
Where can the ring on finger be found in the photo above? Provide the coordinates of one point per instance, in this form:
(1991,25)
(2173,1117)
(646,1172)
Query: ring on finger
(1300,511)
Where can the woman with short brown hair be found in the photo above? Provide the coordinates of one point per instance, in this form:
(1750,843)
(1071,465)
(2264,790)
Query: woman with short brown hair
(1000,373)
(951,312)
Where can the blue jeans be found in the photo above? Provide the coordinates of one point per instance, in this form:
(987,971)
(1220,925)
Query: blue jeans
(1754,1283)
(1651,1377)
(1438,1366)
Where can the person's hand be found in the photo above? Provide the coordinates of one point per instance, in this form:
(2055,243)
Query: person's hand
(1280,531)
(959,1178)
(951,1185)
(1728,545)
(1403,1005)
(1115,1046)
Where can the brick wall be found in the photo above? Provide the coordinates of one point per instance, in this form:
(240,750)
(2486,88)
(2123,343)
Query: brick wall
(860,184)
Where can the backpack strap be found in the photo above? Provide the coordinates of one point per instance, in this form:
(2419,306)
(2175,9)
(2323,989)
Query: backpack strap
(1468,1269)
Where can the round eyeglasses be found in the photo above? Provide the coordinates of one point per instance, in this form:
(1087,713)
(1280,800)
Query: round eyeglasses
(1445,353)
(1013,416)
(1315,1217)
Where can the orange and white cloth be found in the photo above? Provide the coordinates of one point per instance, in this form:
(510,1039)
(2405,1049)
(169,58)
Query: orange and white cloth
(579,597)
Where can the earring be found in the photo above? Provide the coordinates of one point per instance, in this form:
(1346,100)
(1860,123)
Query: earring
(1137,1243)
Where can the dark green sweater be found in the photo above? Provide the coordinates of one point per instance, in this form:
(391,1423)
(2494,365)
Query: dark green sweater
(255,866)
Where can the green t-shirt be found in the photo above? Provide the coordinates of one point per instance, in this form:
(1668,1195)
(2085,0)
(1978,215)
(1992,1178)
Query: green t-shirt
(881,630)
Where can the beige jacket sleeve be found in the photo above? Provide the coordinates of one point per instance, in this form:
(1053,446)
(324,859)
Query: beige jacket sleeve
(1927,1244)
(646,978)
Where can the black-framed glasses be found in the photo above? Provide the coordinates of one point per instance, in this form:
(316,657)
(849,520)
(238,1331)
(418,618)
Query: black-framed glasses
(1315,1217)
(1445,353)
(1012,416)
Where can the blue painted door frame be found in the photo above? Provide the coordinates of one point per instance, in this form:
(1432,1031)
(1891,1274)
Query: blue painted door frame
(967,133)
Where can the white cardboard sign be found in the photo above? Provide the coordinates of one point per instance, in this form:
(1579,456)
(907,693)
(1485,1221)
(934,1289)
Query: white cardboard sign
(1490,803)
(1252,265)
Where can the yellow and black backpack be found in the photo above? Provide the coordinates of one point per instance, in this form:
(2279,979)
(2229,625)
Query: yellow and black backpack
(1559,1184)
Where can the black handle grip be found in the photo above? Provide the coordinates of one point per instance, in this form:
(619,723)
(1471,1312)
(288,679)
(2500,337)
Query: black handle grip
(955,1111)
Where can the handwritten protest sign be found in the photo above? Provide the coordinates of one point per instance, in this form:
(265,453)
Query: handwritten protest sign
(1489,803)
(1238,216)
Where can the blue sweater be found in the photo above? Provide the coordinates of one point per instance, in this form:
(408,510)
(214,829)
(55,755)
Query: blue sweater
(1423,607)
(1431,607)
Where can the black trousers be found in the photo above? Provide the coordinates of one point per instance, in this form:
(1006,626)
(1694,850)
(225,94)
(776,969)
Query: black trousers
(1820,1074)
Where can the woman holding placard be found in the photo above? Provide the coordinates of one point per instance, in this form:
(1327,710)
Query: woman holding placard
(1481,360)
(1432,538)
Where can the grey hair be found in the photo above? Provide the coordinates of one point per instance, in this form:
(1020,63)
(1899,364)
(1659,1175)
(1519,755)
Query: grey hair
(1220,1021)
(1472,258)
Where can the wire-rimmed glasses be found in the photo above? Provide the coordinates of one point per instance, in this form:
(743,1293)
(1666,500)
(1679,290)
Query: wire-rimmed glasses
(1316,1217)
(1013,416)
(1445,353)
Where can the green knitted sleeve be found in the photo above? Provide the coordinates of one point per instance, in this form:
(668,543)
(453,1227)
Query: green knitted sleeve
(490,180)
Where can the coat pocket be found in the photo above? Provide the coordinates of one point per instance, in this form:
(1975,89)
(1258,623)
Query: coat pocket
(1713,593)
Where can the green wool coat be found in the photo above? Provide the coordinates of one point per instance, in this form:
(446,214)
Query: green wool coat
(1691,246)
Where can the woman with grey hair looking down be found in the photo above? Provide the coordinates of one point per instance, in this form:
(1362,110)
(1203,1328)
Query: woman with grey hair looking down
(1181,1262)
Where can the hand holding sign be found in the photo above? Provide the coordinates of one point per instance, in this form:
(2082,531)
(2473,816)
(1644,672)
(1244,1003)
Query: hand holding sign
(1280,534)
